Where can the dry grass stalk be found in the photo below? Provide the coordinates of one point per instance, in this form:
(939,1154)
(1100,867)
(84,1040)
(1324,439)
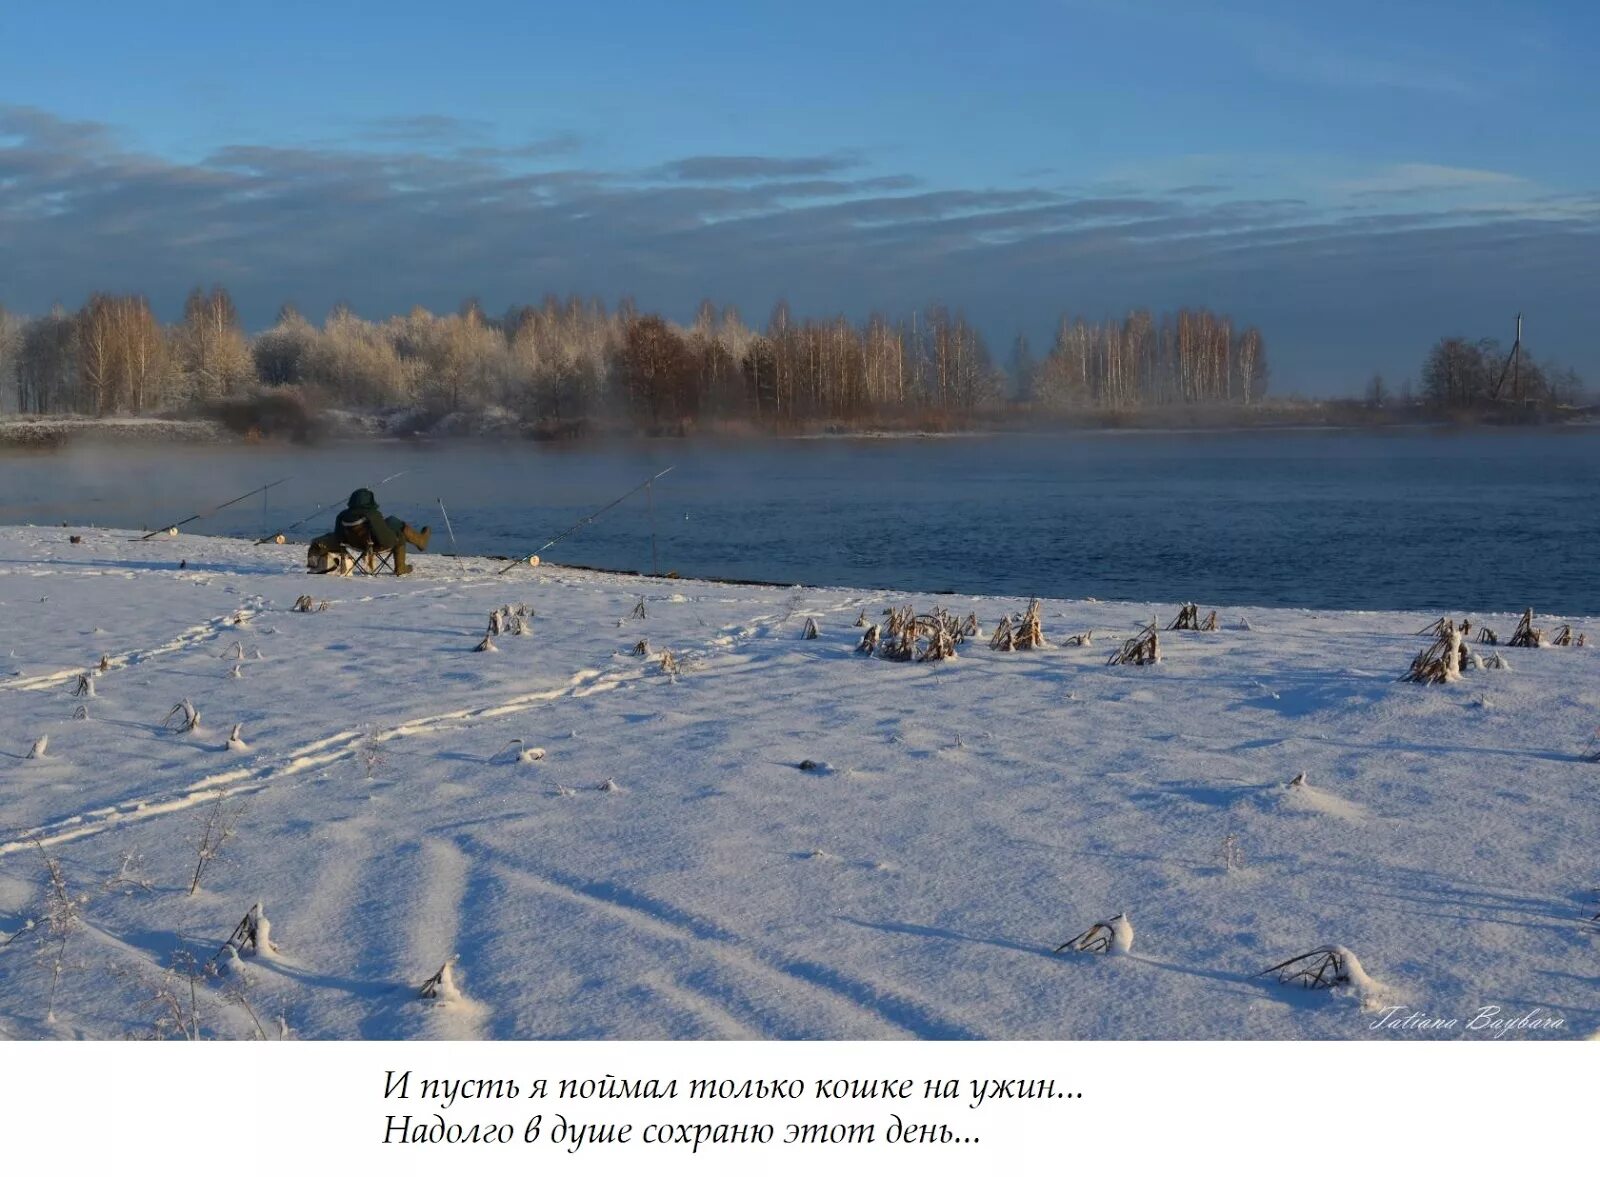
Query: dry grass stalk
(1030,632)
(1209,625)
(62,917)
(861,620)
(1141,650)
(84,688)
(941,644)
(810,630)
(1086,638)
(182,718)
(1526,636)
(1442,662)
(1003,638)
(669,663)
(1101,937)
(901,646)
(1487,636)
(1188,618)
(216,827)
(638,613)
(486,646)
(105,662)
(1565,637)
(641,648)
(1321,968)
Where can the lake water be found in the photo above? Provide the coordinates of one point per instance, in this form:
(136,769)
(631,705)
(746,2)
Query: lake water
(1321,519)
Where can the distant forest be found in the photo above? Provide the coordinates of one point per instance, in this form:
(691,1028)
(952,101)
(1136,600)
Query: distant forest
(566,368)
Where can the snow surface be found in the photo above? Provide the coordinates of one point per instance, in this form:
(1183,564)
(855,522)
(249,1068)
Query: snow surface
(666,869)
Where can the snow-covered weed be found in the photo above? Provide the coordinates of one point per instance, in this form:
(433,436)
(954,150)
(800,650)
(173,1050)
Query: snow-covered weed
(1442,662)
(1331,966)
(1019,631)
(130,875)
(252,936)
(215,827)
(1526,637)
(441,986)
(182,718)
(372,754)
(1143,649)
(1112,937)
(62,918)
(1232,852)
(517,751)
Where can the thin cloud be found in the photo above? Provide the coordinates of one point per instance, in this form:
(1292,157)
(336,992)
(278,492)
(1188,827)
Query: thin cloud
(387,229)
(1411,179)
(713,168)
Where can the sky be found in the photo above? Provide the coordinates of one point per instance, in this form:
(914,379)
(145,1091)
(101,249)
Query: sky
(1355,179)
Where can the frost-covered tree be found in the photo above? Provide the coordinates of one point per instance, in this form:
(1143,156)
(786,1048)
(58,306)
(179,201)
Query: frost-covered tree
(213,356)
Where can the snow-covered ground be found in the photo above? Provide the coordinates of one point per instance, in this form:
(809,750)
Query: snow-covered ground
(665,869)
(57,430)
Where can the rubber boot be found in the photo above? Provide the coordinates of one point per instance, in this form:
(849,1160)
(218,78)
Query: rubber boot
(417,539)
(400,565)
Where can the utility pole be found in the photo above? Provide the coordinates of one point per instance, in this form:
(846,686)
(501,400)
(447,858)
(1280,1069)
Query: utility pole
(1516,363)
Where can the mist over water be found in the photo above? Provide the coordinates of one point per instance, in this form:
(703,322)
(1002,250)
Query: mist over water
(1459,522)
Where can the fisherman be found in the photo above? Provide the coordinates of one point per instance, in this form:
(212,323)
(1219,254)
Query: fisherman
(362,525)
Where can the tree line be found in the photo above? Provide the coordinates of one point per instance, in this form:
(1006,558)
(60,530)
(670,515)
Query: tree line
(572,364)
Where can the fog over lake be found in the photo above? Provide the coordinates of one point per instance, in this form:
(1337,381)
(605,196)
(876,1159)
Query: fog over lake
(1495,520)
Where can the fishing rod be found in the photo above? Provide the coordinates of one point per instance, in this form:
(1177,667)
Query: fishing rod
(279,536)
(172,528)
(454,551)
(585,521)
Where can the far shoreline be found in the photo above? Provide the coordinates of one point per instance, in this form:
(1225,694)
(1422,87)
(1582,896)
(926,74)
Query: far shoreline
(57,431)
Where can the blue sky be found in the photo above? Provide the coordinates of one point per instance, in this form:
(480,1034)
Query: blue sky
(1355,178)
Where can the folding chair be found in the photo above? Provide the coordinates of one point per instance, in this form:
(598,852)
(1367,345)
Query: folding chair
(369,559)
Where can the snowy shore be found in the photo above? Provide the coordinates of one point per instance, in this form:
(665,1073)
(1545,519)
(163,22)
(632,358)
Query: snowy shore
(651,861)
(59,430)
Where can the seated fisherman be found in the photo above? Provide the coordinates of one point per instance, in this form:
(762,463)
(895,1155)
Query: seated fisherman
(362,525)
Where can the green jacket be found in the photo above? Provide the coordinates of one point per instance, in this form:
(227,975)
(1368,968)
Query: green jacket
(362,518)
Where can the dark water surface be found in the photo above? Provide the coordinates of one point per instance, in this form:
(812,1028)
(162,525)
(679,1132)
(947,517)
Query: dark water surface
(1322,519)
